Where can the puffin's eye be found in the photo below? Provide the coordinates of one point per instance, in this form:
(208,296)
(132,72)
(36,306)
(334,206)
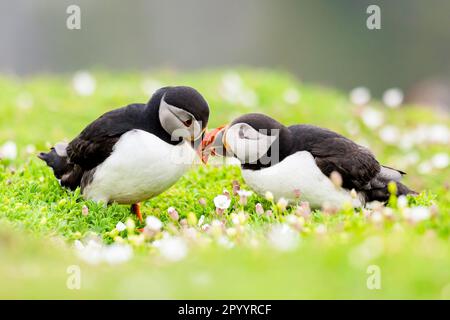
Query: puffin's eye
(188,122)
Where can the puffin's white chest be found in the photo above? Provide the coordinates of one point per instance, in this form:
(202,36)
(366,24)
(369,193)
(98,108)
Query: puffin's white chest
(298,172)
(141,166)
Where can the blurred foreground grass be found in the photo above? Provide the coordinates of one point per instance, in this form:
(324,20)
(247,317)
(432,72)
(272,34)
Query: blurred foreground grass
(39,221)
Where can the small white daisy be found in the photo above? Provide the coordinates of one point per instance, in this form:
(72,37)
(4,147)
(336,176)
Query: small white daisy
(83,83)
(172,248)
(222,202)
(153,223)
(8,150)
(393,97)
(283,238)
(360,96)
(120,226)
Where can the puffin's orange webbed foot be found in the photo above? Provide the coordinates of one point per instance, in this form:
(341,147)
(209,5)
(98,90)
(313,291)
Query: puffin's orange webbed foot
(136,209)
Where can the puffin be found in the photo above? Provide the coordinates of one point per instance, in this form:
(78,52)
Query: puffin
(136,152)
(303,161)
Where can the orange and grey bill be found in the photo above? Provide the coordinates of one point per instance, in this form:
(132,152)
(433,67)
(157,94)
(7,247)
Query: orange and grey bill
(209,139)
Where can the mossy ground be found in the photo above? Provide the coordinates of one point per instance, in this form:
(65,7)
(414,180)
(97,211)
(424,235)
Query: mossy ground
(39,221)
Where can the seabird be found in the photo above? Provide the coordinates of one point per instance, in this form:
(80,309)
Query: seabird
(301,159)
(136,152)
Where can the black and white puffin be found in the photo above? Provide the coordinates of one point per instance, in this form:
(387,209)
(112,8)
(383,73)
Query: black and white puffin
(136,152)
(288,161)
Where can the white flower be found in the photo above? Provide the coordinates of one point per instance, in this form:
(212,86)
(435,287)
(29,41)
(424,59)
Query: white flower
(231,232)
(117,253)
(225,242)
(291,96)
(282,204)
(376,217)
(173,213)
(372,118)
(417,214)
(244,193)
(222,202)
(440,161)
(30,149)
(393,97)
(438,133)
(90,253)
(231,86)
(9,150)
(94,252)
(283,238)
(153,223)
(360,96)
(233,90)
(83,83)
(425,167)
(389,134)
(120,226)
(172,248)
(402,201)
(201,220)
(78,245)
(269,195)
(259,209)
(239,218)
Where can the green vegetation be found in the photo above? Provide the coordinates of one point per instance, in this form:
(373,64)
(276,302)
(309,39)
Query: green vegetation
(240,254)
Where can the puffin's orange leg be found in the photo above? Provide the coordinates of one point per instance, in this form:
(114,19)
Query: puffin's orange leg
(136,209)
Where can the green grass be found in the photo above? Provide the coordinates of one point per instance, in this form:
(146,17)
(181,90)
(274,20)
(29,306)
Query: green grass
(39,221)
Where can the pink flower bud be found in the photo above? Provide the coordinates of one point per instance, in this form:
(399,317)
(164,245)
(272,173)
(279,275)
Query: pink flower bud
(259,208)
(236,187)
(202,202)
(85,211)
(336,178)
(184,222)
(173,214)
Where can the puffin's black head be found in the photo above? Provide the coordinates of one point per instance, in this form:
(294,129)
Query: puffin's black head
(183,112)
(253,138)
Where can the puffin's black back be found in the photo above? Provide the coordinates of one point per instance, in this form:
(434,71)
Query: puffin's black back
(95,143)
(332,152)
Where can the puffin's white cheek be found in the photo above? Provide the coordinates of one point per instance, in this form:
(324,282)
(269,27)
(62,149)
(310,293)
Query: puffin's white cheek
(181,133)
(246,150)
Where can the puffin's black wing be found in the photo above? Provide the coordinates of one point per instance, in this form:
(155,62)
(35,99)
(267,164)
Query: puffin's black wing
(333,152)
(95,143)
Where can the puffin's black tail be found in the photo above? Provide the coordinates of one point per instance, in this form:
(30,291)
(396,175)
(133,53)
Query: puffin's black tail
(378,190)
(66,172)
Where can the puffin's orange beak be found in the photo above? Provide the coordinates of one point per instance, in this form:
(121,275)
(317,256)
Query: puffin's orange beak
(207,141)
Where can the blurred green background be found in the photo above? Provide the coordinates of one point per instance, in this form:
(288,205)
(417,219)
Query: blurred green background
(321,41)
